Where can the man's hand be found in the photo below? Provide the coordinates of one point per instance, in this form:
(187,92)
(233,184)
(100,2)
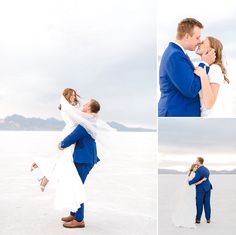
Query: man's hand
(59,147)
(209,56)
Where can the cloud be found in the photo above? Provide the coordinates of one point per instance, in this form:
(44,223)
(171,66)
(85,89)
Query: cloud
(217,20)
(103,49)
(189,135)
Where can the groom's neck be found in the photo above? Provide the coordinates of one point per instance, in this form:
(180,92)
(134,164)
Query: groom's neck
(181,43)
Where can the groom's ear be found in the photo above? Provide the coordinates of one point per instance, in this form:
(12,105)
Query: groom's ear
(187,36)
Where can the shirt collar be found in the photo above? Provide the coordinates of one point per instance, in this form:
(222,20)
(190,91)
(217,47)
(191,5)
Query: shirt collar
(180,47)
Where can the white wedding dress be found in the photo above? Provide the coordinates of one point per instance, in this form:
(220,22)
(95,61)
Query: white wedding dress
(215,75)
(62,172)
(184,209)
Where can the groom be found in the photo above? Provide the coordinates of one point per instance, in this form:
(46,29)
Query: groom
(203,191)
(179,85)
(85,157)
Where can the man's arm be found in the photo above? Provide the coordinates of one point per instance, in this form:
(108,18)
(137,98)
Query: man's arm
(197,178)
(182,75)
(73,137)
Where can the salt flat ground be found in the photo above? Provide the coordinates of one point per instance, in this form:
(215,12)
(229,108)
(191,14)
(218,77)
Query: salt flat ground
(223,206)
(121,189)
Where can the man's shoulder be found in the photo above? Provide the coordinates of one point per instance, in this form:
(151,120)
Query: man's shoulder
(203,168)
(81,129)
(84,132)
(175,48)
(174,52)
(200,168)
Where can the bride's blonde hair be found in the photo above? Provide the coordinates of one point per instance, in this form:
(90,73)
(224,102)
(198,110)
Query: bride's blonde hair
(67,93)
(218,47)
(191,168)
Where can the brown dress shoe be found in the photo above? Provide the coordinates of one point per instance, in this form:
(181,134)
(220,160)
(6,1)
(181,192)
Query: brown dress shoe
(68,218)
(208,221)
(74,224)
(197,221)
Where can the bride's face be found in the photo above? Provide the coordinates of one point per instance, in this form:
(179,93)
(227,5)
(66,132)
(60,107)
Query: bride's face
(195,168)
(72,97)
(203,46)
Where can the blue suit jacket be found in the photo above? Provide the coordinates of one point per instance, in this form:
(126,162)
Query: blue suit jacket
(178,84)
(200,174)
(85,146)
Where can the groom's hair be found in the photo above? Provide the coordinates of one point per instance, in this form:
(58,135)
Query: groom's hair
(200,159)
(186,26)
(94,106)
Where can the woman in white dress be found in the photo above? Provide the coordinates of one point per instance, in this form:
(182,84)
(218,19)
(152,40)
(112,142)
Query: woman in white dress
(184,211)
(212,92)
(62,172)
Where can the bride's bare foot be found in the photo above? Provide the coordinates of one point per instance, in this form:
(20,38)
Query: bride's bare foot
(34,166)
(43,183)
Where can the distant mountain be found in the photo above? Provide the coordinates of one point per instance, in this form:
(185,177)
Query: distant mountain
(121,127)
(223,172)
(18,122)
(214,172)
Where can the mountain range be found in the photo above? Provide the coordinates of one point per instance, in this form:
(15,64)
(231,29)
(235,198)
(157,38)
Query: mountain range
(18,122)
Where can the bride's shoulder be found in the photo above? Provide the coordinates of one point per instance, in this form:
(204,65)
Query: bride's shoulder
(215,74)
(215,67)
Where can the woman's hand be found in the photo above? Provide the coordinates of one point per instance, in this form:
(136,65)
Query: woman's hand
(201,181)
(199,71)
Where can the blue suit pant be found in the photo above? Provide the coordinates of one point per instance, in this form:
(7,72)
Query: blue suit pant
(83,171)
(203,200)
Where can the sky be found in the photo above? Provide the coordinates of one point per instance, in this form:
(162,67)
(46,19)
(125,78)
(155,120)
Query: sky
(219,20)
(181,140)
(103,49)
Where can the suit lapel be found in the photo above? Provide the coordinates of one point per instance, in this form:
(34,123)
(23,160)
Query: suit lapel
(190,60)
(172,44)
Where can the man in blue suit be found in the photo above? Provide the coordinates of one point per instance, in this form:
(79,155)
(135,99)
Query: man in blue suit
(179,85)
(203,191)
(85,157)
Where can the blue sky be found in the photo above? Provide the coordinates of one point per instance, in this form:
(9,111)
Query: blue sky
(104,49)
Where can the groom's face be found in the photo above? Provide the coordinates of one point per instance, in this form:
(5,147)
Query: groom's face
(86,108)
(194,40)
(198,163)
(203,47)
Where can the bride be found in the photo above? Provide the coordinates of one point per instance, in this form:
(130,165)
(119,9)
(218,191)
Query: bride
(211,94)
(62,172)
(184,210)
